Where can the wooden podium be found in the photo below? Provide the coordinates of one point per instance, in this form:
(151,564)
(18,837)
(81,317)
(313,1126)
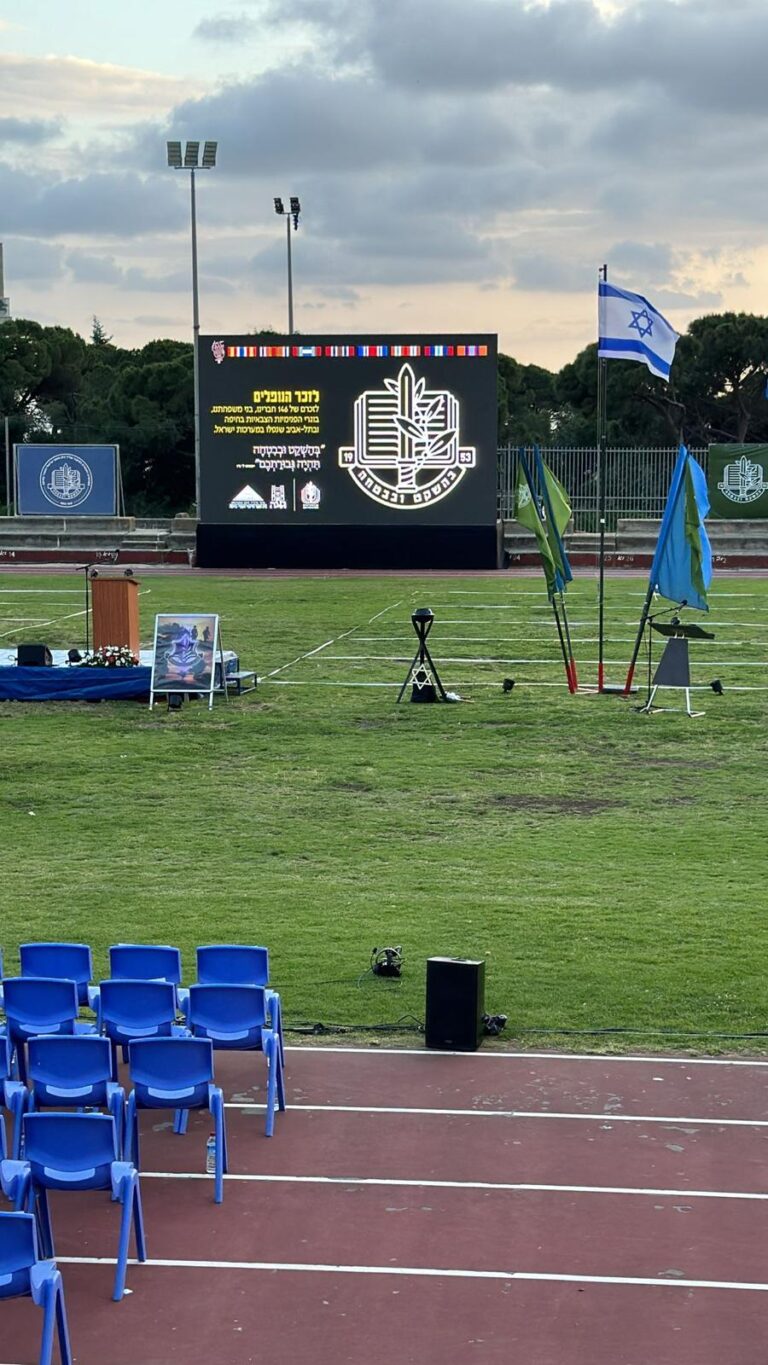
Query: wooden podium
(115,610)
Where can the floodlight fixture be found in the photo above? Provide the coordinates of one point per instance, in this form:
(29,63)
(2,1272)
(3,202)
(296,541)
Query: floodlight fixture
(191,156)
(175,701)
(717,687)
(279,207)
(209,155)
(174,155)
(295,205)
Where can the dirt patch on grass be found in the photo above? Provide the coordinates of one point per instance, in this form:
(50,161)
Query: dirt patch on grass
(553,805)
(351,785)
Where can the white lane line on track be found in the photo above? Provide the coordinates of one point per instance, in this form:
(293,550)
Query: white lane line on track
(586,663)
(607,1058)
(334,640)
(488,1186)
(470,683)
(419,1272)
(673,1121)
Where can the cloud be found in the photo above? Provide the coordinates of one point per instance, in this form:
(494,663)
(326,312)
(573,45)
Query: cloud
(29,131)
(226,28)
(35,262)
(75,86)
(116,204)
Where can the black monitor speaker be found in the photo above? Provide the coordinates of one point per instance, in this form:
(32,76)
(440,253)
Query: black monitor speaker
(33,656)
(455,1003)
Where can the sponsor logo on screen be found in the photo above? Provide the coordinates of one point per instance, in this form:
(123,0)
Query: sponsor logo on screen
(407,452)
(247,500)
(66,480)
(310,497)
(742,481)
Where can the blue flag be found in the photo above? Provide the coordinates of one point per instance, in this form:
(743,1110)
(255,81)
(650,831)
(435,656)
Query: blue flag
(682,565)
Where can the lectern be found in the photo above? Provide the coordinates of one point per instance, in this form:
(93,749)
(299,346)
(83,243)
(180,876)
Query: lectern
(115,610)
(674,667)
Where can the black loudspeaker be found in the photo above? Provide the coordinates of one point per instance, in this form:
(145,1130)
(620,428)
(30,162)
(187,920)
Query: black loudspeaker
(33,656)
(455,1003)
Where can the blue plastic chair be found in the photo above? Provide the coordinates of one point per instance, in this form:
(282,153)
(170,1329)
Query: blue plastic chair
(175,1073)
(75,1152)
(13,1095)
(137,1009)
(70,961)
(140,962)
(235,1018)
(239,964)
(22,1273)
(36,1005)
(72,1070)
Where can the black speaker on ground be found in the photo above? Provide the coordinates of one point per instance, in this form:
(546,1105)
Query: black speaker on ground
(455,1003)
(33,656)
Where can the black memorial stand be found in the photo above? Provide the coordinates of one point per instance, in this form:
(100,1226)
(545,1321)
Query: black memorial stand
(422,675)
(674,669)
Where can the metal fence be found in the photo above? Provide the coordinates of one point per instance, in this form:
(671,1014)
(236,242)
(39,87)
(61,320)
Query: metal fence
(636,480)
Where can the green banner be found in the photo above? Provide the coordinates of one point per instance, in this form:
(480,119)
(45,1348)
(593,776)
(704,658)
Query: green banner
(737,479)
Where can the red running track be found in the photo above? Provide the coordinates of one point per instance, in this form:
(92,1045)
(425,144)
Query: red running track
(544,1210)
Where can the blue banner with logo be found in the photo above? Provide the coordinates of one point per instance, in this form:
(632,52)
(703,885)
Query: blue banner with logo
(66,481)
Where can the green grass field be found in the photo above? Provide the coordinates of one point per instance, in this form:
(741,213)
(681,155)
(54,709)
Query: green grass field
(610,867)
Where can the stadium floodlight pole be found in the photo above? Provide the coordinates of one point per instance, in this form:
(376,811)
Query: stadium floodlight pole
(191,162)
(291,215)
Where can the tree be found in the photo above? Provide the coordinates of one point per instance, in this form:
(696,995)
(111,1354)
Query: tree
(98,334)
(526,402)
(720,373)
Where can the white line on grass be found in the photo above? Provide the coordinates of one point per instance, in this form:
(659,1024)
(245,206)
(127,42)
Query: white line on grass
(606,1058)
(54,621)
(586,663)
(419,1272)
(489,1186)
(475,683)
(334,640)
(674,1121)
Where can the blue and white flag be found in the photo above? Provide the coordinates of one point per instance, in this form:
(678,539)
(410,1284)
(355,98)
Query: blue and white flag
(630,328)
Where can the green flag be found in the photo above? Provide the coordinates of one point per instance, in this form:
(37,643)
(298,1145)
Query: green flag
(527,513)
(558,516)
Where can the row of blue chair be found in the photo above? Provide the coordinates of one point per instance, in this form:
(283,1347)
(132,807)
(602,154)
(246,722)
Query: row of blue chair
(233,964)
(40,1010)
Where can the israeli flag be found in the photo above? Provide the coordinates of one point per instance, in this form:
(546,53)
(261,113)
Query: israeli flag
(630,328)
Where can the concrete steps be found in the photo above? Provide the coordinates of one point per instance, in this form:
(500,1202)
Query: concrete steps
(112,539)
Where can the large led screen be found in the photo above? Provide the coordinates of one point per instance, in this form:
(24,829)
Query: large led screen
(348,430)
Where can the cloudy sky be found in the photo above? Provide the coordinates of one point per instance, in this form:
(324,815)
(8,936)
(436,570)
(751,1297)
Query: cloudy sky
(463,165)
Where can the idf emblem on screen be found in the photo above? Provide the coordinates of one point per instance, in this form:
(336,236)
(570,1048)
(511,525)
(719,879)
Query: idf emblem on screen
(407,450)
(66,480)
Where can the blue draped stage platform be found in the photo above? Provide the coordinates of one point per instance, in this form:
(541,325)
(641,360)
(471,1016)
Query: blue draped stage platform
(74,684)
(68,682)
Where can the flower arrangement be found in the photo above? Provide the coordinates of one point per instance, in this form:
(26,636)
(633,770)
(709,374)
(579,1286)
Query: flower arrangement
(111,656)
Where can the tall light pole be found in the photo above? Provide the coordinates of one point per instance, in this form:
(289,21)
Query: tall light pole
(291,215)
(191,162)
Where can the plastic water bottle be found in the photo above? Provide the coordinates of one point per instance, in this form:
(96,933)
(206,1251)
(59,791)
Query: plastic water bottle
(210,1155)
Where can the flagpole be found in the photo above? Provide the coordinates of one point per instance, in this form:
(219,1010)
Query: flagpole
(566,627)
(602,434)
(534,500)
(567,665)
(675,489)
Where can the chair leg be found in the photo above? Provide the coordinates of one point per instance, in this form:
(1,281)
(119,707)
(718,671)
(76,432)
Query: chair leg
(131,1142)
(49,1325)
(138,1221)
(217,1111)
(43,1216)
(281,1087)
(65,1350)
(272,1064)
(127,1189)
(180,1121)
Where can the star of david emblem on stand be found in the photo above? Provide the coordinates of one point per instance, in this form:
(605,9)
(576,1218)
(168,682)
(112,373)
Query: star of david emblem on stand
(422,677)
